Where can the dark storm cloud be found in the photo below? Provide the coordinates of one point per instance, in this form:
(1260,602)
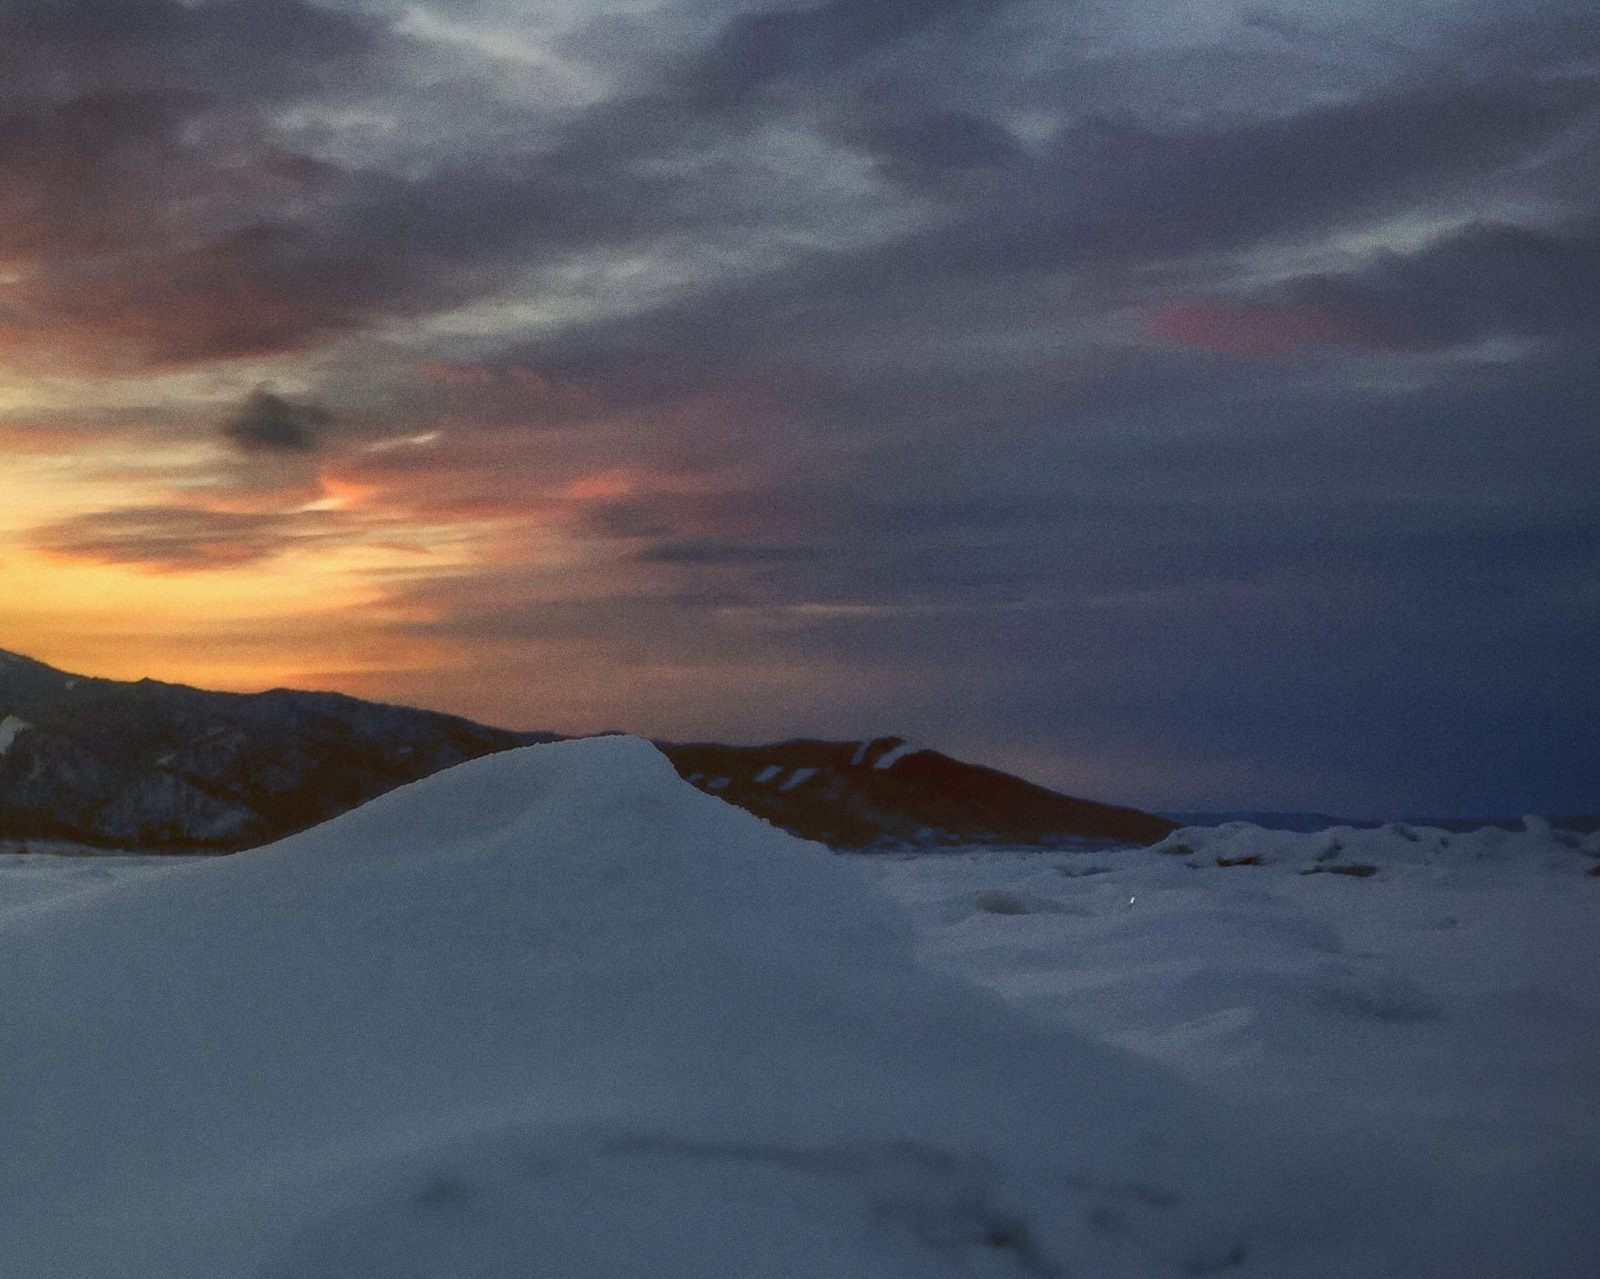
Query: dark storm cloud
(756,50)
(198,227)
(147,195)
(1104,201)
(269,423)
(235,242)
(940,343)
(250,48)
(1115,192)
(1137,549)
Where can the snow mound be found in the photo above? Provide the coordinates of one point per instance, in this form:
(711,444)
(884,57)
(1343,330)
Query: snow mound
(1426,1035)
(556,1012)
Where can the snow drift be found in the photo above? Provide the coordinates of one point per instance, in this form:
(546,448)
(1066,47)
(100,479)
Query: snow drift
(1424,1026)
(556,1012)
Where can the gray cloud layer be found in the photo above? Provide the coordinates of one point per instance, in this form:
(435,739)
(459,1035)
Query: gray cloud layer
(1064,382)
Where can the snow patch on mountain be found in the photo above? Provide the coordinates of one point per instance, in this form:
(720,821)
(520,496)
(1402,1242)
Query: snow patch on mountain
(10,728)
(894,755)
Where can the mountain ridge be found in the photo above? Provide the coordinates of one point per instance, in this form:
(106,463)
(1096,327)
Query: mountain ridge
(147,764)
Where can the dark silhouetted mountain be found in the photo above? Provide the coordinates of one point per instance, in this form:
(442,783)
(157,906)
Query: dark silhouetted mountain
(149,765)
(867,794)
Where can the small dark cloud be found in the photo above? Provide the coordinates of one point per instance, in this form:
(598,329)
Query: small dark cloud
(269,423)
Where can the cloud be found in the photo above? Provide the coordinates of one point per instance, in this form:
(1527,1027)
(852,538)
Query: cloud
(269,423)
(757,50)
(708,552)
(908,360)
(178,538)
(199,191)
(1480,281)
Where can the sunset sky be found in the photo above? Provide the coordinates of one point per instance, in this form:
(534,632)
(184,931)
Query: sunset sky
(1194,404)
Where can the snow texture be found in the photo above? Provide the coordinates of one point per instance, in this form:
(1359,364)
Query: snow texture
(1425,1031)
(556,1012)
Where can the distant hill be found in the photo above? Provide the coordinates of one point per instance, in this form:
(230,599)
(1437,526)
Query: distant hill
(1301,822)
(860,794)
(148,765)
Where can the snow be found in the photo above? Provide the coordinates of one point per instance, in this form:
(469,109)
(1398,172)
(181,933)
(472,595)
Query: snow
(894,755)
(1433,1028)
(860,756)
(799,777)
(557,1012)
(10,727)
(769,773)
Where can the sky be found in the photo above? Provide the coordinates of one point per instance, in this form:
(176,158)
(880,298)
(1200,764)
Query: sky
(1186,404)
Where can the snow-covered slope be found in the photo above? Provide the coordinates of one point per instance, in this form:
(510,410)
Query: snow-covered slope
(556,1012)
(1426,1029)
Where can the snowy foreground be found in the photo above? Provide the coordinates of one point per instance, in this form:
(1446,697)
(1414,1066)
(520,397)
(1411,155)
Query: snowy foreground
(557,1013)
